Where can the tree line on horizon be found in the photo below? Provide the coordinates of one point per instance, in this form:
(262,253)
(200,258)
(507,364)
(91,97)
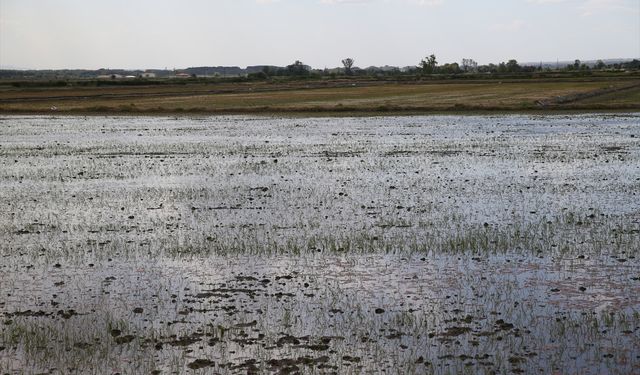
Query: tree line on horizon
(430,66)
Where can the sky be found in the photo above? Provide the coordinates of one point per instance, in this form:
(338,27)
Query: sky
(144,34)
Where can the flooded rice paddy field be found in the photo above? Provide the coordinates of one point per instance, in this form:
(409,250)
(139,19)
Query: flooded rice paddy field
(446,245)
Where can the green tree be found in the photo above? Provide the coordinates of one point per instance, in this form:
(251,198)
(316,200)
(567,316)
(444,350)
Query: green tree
(513,66)
(298,69)
(452,68)
(469,65)
(428,64)
(631,65)
(348,63)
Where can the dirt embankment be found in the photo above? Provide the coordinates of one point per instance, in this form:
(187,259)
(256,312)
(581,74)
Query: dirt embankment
(572,98)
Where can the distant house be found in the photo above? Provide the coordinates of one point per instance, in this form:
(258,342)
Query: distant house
(148,75)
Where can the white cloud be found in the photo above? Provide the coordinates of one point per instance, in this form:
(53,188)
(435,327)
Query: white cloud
(427,2)
(546,1)
(514,25)
(592,7)
(344,1)
(415,2)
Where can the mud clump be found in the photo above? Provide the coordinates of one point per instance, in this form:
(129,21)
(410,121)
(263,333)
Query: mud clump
(185,341)
(287,340)
(82,345)
(347,358)
(67,314)
(200,364)
(455,331)
(124,339)
(291,365)
(246,325)
(503,326)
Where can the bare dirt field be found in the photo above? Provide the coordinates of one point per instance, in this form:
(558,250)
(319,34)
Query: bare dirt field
(340,96)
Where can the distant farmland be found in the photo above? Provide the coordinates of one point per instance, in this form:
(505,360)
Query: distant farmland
(331,96)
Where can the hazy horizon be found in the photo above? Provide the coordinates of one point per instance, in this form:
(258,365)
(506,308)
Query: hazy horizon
(10,67)
(74,34)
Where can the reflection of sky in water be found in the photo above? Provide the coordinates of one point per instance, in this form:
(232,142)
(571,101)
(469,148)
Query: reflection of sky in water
(337,296)
(391,177)
(385,280)
(136,189)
